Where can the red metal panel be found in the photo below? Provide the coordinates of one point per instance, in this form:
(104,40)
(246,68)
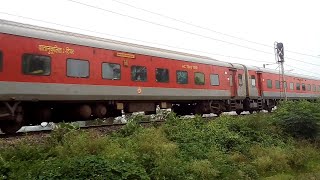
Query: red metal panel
(13,69)
(13,47)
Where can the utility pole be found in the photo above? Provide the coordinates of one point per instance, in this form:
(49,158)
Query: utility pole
(279,52)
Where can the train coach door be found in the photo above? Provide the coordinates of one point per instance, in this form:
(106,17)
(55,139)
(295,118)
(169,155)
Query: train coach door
(232,80)
(259,83)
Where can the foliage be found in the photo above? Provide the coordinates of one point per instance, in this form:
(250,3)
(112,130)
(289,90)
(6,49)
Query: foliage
(4,168)
(132,125)
(299,119)
(242,147)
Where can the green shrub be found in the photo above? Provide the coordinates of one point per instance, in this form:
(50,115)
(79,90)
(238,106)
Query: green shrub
(132,125)
(60,131)
(169,168)
(86,167)
(221,162)
(4,169)
(281,176)
(299,119)
(26,152)
(152,148)
(80,143)
(203,169)
(241,147)
(270,160)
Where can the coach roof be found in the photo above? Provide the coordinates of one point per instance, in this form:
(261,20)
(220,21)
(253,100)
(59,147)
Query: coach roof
(15,28)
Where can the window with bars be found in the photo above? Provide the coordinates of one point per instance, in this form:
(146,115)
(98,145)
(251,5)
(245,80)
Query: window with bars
(314,88)
(33,64)
(292,86)
(240,80)
(138,73)
(298,86)
(162,75)
(77,68)
(253,80)
(182,77)
(199,78)
(111,71)
(269,83)
(277,84)
(308,87)
(214,79)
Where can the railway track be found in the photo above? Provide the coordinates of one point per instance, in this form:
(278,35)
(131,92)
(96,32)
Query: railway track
(101,128)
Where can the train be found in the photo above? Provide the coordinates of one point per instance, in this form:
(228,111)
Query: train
(49,75)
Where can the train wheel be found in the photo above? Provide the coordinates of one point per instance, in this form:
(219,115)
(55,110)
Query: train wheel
(99,111)
(238,112)
(12,126)
(251,111)
(218,113)
(199,110)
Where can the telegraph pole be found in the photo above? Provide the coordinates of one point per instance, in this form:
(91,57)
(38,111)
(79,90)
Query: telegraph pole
(279,52)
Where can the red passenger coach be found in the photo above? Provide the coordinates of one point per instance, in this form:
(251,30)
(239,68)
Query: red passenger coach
(52,75)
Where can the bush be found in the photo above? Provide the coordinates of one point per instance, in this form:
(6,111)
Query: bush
(241,147)
(270,160)
(80,143)
(132,125)
(203,169)
(299,119)
(86,167)
(4,169)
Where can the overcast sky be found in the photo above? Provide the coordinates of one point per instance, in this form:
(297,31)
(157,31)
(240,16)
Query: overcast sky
(294,23)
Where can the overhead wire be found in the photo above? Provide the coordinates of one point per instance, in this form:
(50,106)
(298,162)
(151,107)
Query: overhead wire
(206,28)
(302,61)
(303,54)
(177,29)
(82,29)
(126,38)
(304,70)
(169,27)
(190,24)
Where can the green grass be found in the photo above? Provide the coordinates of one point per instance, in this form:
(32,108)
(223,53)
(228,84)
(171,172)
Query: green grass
(258,146)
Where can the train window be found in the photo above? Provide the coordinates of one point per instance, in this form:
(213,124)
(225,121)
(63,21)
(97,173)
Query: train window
(162,75)
(214,79)
(318,88)
(77,68)
(308,87)
(1,61)
(182,77)
(277,84)
(231,80)
(269,83)
(199,78)
(240,79)
(111,71)
(253,81)
(298,86)
(285,85)
(36,65)
(303,87)
(138,73)
(291,86)
(314,88)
